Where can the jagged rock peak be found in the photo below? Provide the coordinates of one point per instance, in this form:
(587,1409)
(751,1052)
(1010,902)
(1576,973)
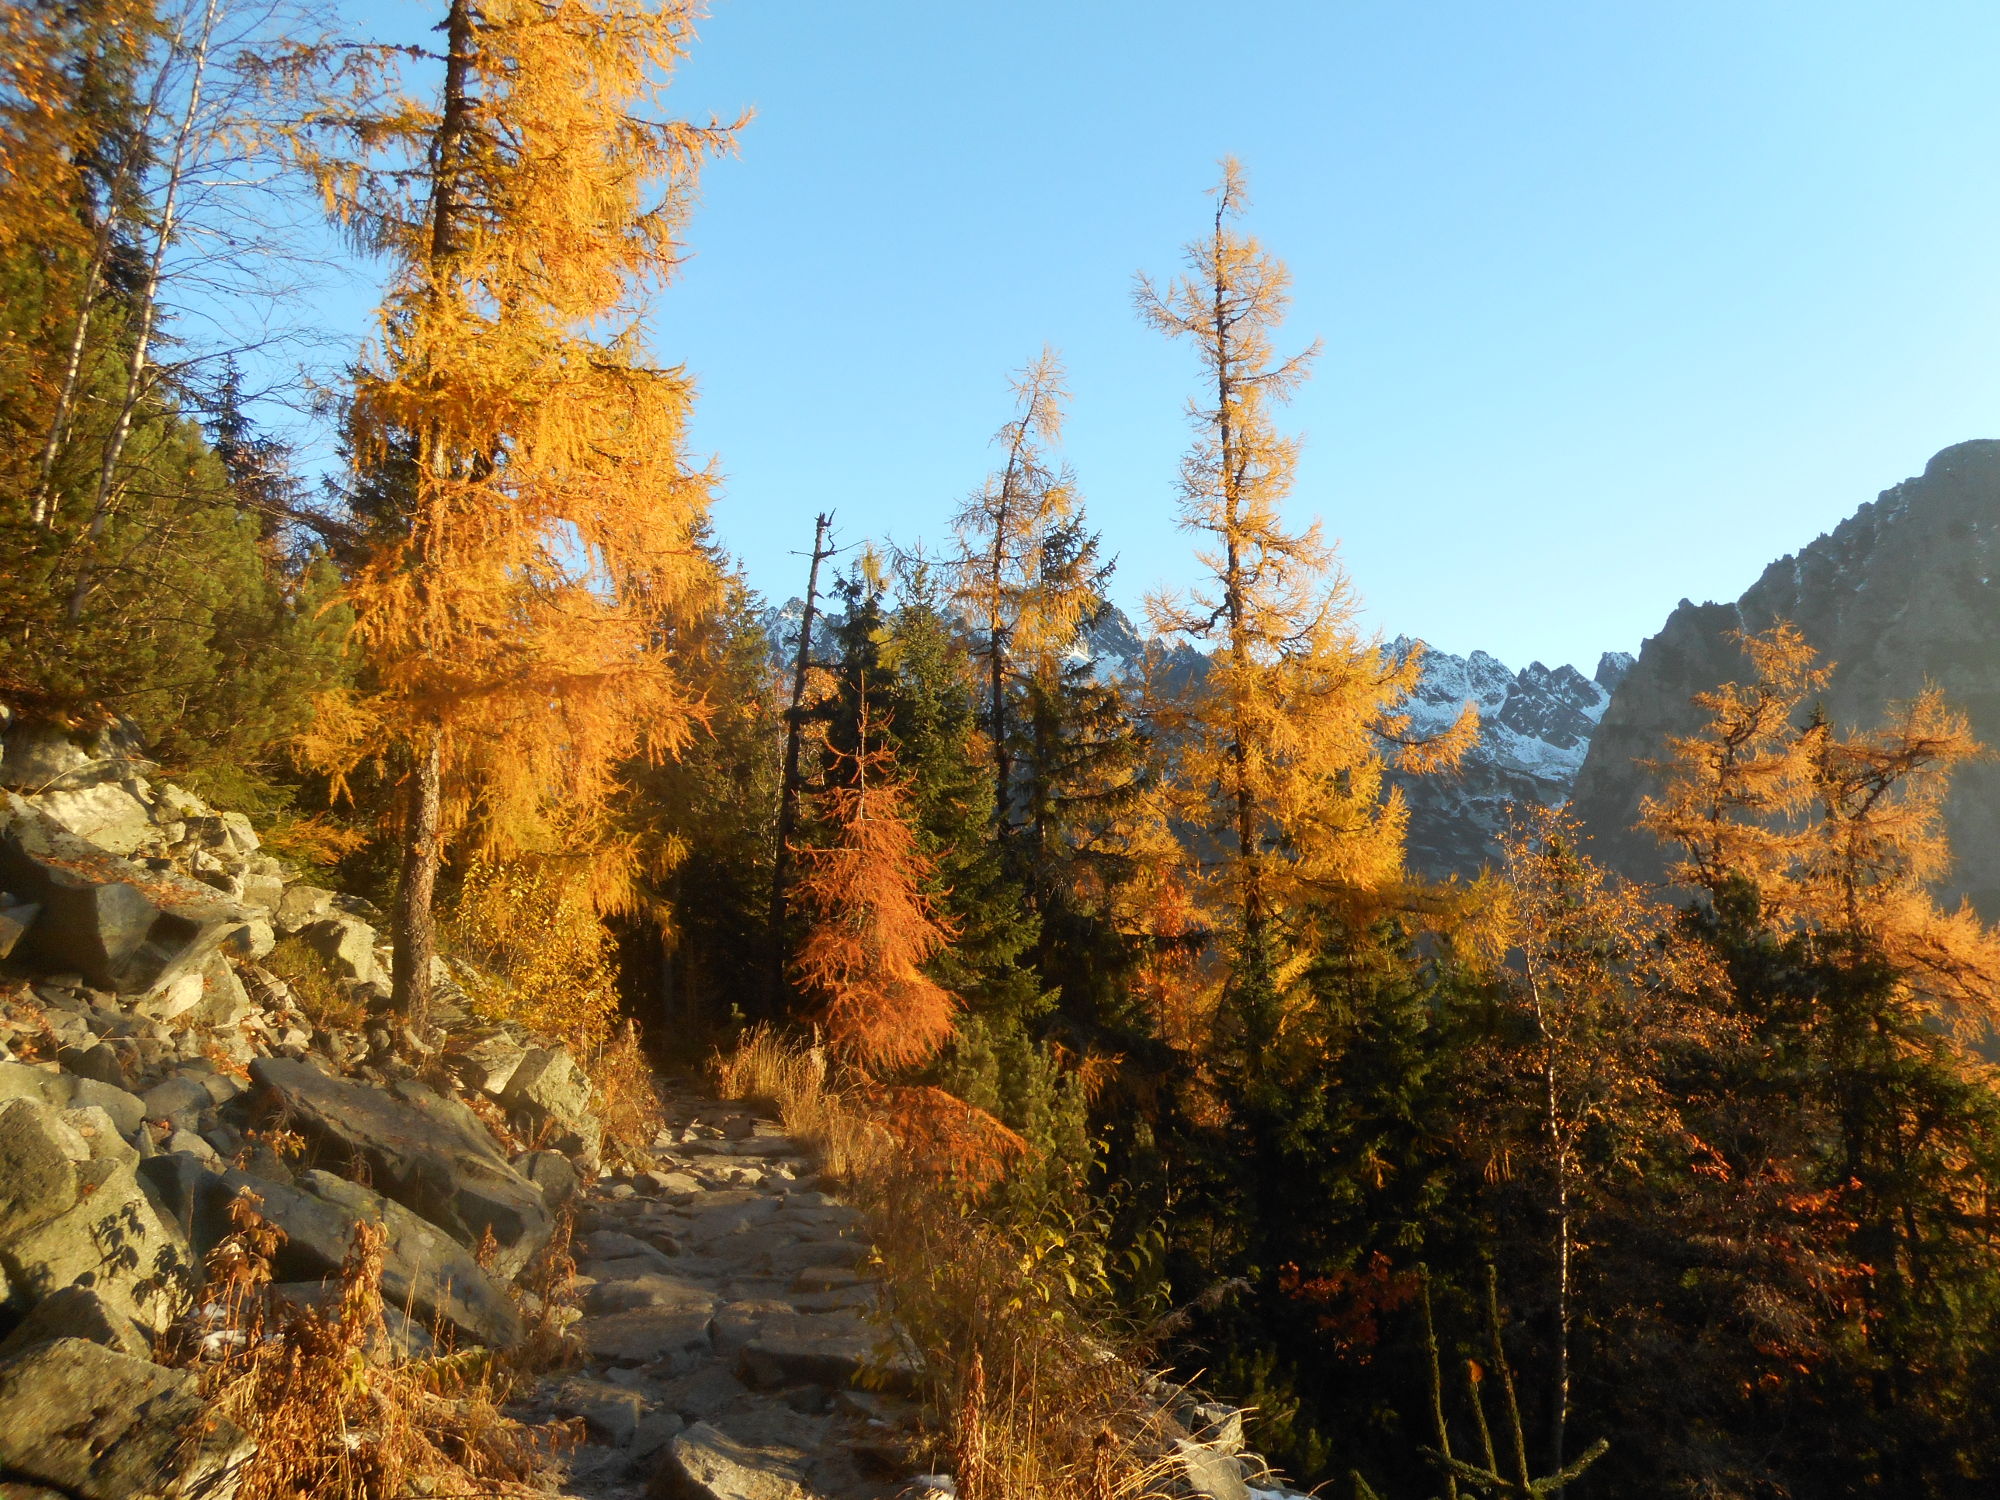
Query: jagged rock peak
(1901,593)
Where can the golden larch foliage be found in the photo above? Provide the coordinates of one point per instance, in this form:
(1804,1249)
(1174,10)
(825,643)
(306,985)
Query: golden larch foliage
(1839,833)
(544,515)
(1283,744)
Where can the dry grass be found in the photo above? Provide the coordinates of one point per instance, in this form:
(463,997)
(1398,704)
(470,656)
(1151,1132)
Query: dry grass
(331,1420)
(313,985)
(628,1101)
(827,1117)
(1045,1401)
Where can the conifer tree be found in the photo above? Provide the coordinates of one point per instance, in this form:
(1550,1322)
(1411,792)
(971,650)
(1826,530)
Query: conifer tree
(548,515)
(1014,602)
(1281,744)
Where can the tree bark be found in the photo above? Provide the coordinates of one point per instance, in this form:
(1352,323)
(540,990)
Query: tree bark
(423,854)
(788,785)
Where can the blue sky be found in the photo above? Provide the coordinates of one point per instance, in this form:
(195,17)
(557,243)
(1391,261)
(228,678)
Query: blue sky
(1620,300)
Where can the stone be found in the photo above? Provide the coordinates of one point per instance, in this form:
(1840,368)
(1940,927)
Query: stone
(77,1312)
(829,1349)
(487,1064)
(36,755)
(610,1413)
(705,1463)
(433,1274)
(179,1100)
(103,1426)
(38,1177)
(126,1109)
(348,946)
(120,926)
(645,1335)
(656,1429)
(100,1062)
(101,1138)
(548,1087)
(647,1290)
(187,1141)
(427,1153)
(1217,1426)
(15,920)
(171,1000)
(108,814)
(423,1269)
(1209,1473)
(111,1238)
(552,1173)
(224,1002)
(302,905)
(703,1393)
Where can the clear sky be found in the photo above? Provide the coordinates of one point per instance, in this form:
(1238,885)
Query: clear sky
(1621,299)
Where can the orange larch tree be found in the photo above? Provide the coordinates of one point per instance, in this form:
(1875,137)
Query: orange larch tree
(1282,742)
(541,515)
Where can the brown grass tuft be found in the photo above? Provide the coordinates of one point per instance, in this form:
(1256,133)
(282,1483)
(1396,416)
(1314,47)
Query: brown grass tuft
(329,1421)
(326,1004)
(628,1102)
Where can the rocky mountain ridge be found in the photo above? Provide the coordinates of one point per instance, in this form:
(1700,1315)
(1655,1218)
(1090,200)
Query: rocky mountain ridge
(1904,592)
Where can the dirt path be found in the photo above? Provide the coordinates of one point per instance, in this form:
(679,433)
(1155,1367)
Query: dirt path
(727,1309)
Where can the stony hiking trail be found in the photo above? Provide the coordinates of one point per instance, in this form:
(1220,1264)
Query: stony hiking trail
(731,1338)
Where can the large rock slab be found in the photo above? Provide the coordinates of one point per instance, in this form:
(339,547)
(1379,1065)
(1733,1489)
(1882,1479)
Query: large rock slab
(104,1426)
(424,1270)
(706,1463)
(76,1312)
(646,1335)
(427,1153)
(111,1239)
(37,1168)
(831,1349)
(121,926)
(111,815)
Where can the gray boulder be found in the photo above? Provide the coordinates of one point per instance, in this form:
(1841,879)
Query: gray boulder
(103,1426)
(552,1173)
(110,1238)
(38,1161)
(427,1153)
(549,1093)
(112,815)
(706,1463)
(423,1269)
(121,926)
(77,1312)
(348,946)
(39,757)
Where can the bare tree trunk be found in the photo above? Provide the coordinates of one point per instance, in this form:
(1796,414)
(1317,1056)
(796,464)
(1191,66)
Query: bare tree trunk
(43,507)
(788,785)
(423,854)
(1559,1149)
(423,833)
(137,365)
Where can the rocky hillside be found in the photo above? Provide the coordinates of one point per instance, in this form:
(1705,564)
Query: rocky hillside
(1906,591)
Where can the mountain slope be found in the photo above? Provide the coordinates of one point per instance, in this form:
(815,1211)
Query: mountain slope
(1905,591)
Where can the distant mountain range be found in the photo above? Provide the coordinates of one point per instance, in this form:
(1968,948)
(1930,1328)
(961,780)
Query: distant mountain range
(1535,726)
